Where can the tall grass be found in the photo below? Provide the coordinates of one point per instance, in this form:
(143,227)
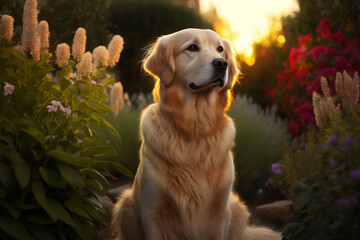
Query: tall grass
(259,135)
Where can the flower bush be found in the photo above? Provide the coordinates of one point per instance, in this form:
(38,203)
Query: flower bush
(322,55)
(321,173)
(53,165)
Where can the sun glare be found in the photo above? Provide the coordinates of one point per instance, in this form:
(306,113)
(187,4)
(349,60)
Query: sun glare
(249,21)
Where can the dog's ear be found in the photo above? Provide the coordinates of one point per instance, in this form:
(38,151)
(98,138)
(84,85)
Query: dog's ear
(159,59)
(234,71)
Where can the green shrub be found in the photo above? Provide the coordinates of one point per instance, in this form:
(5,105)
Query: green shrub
(259,134)
(52,163)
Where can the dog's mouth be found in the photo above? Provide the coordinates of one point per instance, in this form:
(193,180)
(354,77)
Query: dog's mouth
(217,82)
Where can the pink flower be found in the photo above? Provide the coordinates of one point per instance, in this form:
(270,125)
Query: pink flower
(8,89)
(55,105)
(52,108)
(67,111)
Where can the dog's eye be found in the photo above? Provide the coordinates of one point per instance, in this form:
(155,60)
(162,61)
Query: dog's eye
(193,48)
(220,49)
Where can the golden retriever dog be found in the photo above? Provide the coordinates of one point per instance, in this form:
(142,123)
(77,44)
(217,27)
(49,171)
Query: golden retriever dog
(183,186)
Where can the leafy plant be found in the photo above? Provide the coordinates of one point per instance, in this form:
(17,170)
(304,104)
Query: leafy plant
(53,165)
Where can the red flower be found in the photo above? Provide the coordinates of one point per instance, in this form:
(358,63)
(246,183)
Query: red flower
(303,109)
(304,40)
(294,56)
(339,38)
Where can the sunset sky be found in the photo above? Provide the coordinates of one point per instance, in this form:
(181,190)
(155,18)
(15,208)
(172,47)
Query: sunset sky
(249,19)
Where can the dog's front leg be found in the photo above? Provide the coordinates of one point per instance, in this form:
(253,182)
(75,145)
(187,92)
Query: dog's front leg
(151,228)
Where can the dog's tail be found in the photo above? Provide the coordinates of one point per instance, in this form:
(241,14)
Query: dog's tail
(126,224)
(261,233)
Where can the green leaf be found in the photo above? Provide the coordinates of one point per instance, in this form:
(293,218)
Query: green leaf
(71,176)
(34,132)
(6,176)
(109,126)
(103,108)
(14,228)
(72,159)
(96,212)
(39,192)
(13,210)
(99,152)
(57,209)
(23,205)
(38,217)
(8,125)
(122,169)
(77,208)
(21,169)
(41,232)
(52,177)
(3,191)
(98,179)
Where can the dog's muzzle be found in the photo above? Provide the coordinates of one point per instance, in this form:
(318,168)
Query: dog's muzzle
(220,66)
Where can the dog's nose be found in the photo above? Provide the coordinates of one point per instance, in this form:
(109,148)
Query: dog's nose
(220,63)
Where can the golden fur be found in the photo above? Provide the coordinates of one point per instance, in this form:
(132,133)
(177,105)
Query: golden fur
(183,186)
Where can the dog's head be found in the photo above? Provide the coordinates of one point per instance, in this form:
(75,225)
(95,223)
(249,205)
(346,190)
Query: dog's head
(197,60)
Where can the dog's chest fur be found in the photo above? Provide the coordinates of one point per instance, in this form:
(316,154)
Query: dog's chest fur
(191,175)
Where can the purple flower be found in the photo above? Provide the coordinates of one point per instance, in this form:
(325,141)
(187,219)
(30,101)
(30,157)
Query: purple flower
(348,141)
(331,141)
(354,200)
(260,191)
(342,202)
(355,173)
(8,89)
(275,168)
(331,161)
(268,182)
